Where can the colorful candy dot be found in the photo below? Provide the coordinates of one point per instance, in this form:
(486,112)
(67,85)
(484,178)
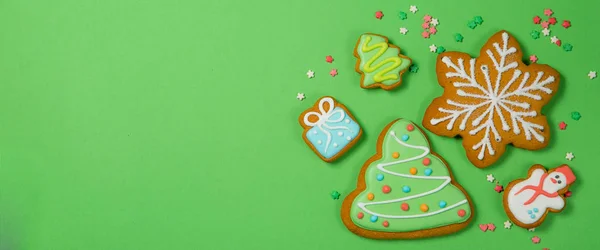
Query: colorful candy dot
(360,215)
(406,189)
(428,171)
(396,155)
(413,171)
(386,223)
(443,204)
(462,213)
(410,127)
(405,137)
(532,216)
(404,206)
(370,196)
(386,189)
(535,210)
(374,218)
(380,177)
(426,161)
(424,207)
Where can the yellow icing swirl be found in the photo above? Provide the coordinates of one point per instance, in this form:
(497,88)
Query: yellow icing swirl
(381,75)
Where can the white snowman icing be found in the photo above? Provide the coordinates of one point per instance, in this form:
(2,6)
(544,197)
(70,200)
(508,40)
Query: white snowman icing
(529,199)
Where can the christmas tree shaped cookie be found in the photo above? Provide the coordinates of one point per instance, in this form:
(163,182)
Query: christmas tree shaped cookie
(380,63)
(405,190)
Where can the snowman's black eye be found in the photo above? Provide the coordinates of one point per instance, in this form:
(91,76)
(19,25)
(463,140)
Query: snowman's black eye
(559,182)
(557,177)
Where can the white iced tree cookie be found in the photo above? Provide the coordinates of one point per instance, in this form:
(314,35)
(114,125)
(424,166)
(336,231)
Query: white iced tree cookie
(492,100)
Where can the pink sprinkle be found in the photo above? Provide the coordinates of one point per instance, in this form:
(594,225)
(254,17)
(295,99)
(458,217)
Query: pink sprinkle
(536,239)
(566,24)
(425,34)
(568,194)
(333,72)
(548,12)
(432,30)
(562,125)
(427,18)
(558,42)
(537,20)
(499,188)
(552,20)
(425,25)
(329,59)
(533,58)
(545,24)
(491,227)
(379,14)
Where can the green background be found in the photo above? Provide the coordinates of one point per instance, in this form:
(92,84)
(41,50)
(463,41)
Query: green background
(131,124)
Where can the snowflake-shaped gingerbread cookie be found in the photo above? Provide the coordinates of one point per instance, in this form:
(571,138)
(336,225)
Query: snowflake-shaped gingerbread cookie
(492,100)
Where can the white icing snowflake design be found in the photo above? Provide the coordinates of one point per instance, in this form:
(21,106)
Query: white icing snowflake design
(494,97)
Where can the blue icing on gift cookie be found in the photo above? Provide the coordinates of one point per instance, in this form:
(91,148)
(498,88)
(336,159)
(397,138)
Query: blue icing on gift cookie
(330,129)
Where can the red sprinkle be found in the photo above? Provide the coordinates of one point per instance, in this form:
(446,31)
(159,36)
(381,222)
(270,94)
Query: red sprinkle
(562,125)
(537,20)
(568,194)
(360,215)
(426,161)
(558,42)
(386,189)
(329,59)
(566,24)
(379,15)
(552,20)
(462,213)
(386,223)
(410,127)
(499,188)
(404,206)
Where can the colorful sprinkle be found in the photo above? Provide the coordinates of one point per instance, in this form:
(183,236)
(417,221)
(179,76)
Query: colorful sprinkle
(374,218)
(458,38)
(537,20)
(478,20)
(570,156)
(562,126)
(335,195)
(404,206)
(440,49)
(575,116)
(410,127)
(406,189)
(424,207)
(536,240)
(568,194)
(472,24)
(427,18)
(566,24)
(548,12)
(491,227)
(443,204)
(333,72)
(592,75)
(396,155)
(568,47)
(428,171)
(329,59)
(425,25)
(425,34)
(380,177)
(552,20)
(413,171)
(535,210)
(432,30)
(499,188)
(370,196)
(426,161)
(402,15)
(405,137)
(533,58)
(386,189)
(413,68)
(379,15)
(545,24)
(535,34)
(462,213)
(360,215)
(386,223)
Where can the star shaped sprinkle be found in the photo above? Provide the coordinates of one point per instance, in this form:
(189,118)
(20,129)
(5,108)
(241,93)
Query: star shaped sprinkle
(425,25)
(432,30)
(562,126)
(566,24)
(335,195)
(499,188)
(472,24)
(554,39)
(413,9)
(300,96)
(413,68)
(310,74)
(537,20)
(507,224)
(558,42)
(329,59)
(569,156)
(432,48)
(435,22)
(546,32)
(333,72)
(567,47)
(425,34)
(379,15)
(548,12)
(533,58)
(491,227)
(552,21)
(440,50)
(575,116)
(403,31)
(592,74)
(535,240)
(535,34)
(545,24)
(531,229)
(458,38)
(427,18)
(478,20)
(402,15)
(568,194)
(490,178)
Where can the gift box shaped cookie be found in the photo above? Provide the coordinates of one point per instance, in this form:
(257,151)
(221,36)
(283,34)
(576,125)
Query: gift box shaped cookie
(330,130)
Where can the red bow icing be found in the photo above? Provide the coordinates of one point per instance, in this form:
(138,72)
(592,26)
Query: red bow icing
(539,190)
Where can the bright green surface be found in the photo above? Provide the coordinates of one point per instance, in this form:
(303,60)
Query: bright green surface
(173,124)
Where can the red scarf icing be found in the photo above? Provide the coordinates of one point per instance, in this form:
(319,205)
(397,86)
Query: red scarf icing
(539,190)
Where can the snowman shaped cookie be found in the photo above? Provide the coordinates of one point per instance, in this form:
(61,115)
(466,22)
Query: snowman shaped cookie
(528,201)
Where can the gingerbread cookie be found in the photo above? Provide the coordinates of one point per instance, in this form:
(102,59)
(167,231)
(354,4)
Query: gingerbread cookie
(406,190)
(380,63)
(329,128)
(528,201)
(492,100)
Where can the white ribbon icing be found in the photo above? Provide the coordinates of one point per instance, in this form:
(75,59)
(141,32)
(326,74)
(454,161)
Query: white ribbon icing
(324,117)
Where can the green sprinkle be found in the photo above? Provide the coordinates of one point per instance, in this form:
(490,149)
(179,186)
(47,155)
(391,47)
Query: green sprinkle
(576,115)
(413,68)
(472,24)
(478,20)
(402,15)
(441,50)
(535,34)
(458,38)
(567,47)
(335,195)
